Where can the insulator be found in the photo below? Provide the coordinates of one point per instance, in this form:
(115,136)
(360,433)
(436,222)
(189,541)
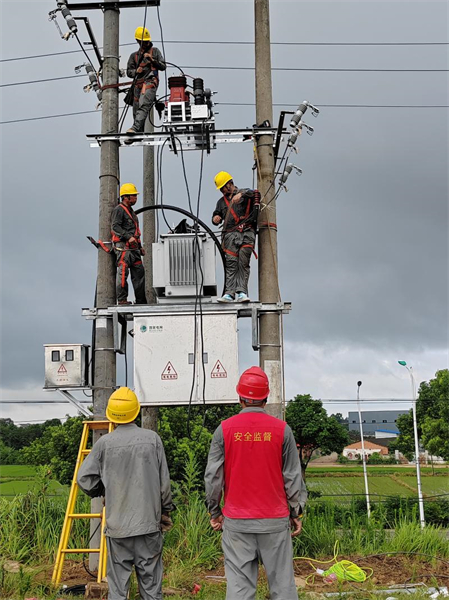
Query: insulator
(198,90)
(299,114)
(285,174)
(177,82)
(93,80)
(293,138)
(71,23)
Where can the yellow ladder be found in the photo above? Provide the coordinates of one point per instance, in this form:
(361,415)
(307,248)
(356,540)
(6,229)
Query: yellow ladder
(70,515)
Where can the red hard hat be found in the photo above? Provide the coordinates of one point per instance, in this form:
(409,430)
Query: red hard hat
(253,385)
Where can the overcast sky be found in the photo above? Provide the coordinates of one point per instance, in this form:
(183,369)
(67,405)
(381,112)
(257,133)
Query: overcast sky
(363,238)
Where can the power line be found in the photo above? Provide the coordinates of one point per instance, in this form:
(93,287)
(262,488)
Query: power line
(85,112)
(242,43)
(232,68)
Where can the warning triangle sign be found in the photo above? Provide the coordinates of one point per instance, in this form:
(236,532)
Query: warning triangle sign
(169,372)
(62,370)
(218,372)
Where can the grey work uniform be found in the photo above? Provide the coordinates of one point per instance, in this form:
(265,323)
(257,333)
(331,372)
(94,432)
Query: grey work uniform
(124,226)
(238,238)
(245,542)
(146,83)
(128,467)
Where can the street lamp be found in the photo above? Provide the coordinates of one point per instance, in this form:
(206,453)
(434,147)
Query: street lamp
(365,474)
(415,433)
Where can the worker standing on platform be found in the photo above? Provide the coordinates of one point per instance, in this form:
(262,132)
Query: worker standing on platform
(236,209)
(254,459)
(128,467)
(143,67)
(127,246)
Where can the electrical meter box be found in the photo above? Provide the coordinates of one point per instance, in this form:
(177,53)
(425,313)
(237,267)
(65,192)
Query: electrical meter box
(66,365)
(168,370)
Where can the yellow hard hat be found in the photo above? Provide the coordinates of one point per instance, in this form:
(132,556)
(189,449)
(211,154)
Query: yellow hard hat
(123,406)
(142,35)
(222,179)
(128,189)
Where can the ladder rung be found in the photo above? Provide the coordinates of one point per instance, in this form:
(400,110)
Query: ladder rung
(85,516)
(97,424)
(80,551)
(85,451)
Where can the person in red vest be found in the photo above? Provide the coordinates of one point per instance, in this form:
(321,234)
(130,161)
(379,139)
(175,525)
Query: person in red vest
(253,458)
(237,210)
(127,246)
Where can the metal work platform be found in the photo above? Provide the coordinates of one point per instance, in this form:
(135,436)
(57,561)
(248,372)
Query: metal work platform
(192,137)
(122,314)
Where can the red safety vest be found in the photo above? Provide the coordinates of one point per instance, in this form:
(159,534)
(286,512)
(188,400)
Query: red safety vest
(116,238)
(254,485)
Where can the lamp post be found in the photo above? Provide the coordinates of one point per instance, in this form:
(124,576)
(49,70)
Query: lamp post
(415,433)
(365,474)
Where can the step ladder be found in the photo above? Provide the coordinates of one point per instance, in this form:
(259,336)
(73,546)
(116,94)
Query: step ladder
(70,515)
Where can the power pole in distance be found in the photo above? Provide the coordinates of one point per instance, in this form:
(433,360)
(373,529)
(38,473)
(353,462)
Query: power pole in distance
(269,323)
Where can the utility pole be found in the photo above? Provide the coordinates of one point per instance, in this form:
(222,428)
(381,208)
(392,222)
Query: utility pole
(104,376)
(365,474)
(149,413)
(269,323)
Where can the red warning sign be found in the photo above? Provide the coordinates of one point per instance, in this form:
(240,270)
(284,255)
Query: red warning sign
(169,372)
(62,370)
(218,372)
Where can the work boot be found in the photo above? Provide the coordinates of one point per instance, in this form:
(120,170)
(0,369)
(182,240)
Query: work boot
(242,297)
(131,131)
(122,302)
(226,298)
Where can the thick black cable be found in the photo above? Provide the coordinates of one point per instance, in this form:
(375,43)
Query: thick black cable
(185,174)
(161,186)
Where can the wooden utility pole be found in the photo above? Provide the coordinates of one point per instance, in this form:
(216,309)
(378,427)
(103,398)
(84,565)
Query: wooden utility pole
(104,376)
(269,323)
(149,413)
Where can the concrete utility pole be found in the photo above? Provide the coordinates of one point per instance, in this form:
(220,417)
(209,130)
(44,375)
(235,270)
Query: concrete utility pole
(104,377)
(269,324)
(149,413)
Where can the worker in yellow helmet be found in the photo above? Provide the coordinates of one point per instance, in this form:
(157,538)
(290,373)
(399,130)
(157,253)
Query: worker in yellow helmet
(237,210)
(143,68)
(127,246)
(129,469)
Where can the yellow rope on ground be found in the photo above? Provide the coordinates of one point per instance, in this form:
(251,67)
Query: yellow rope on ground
(343,570)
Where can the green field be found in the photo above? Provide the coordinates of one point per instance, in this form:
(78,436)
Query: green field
(19,479)
(338,482)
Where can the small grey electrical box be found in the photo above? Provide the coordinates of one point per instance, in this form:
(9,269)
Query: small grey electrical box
(200,111)
(66,365)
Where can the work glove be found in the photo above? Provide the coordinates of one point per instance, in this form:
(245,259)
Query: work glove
(166,523)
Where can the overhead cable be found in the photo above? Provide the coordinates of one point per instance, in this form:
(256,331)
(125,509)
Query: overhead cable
(244,43)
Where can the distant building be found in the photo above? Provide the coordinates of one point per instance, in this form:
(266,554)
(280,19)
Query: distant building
(354,451)
(383,421)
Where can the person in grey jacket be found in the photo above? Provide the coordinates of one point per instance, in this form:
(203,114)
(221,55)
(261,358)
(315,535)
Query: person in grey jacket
(253,460)
(128,467)
(143,67)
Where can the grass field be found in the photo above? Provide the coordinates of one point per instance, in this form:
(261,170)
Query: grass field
(18,479)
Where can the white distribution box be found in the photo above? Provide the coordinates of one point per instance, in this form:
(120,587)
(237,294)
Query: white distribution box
(164,359)
(66,365)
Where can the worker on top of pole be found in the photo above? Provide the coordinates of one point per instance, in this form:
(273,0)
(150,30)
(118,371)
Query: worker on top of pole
(143,67)
(254,459)
(127,246)
(128,467)
(237,210)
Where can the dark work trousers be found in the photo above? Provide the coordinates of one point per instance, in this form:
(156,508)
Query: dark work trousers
(145,553)
(238,247)
(130,260)
(144,98)
(244,551)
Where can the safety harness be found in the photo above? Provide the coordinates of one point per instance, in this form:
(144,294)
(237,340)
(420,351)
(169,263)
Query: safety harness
(241,223)
(142,85)
(137,233)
